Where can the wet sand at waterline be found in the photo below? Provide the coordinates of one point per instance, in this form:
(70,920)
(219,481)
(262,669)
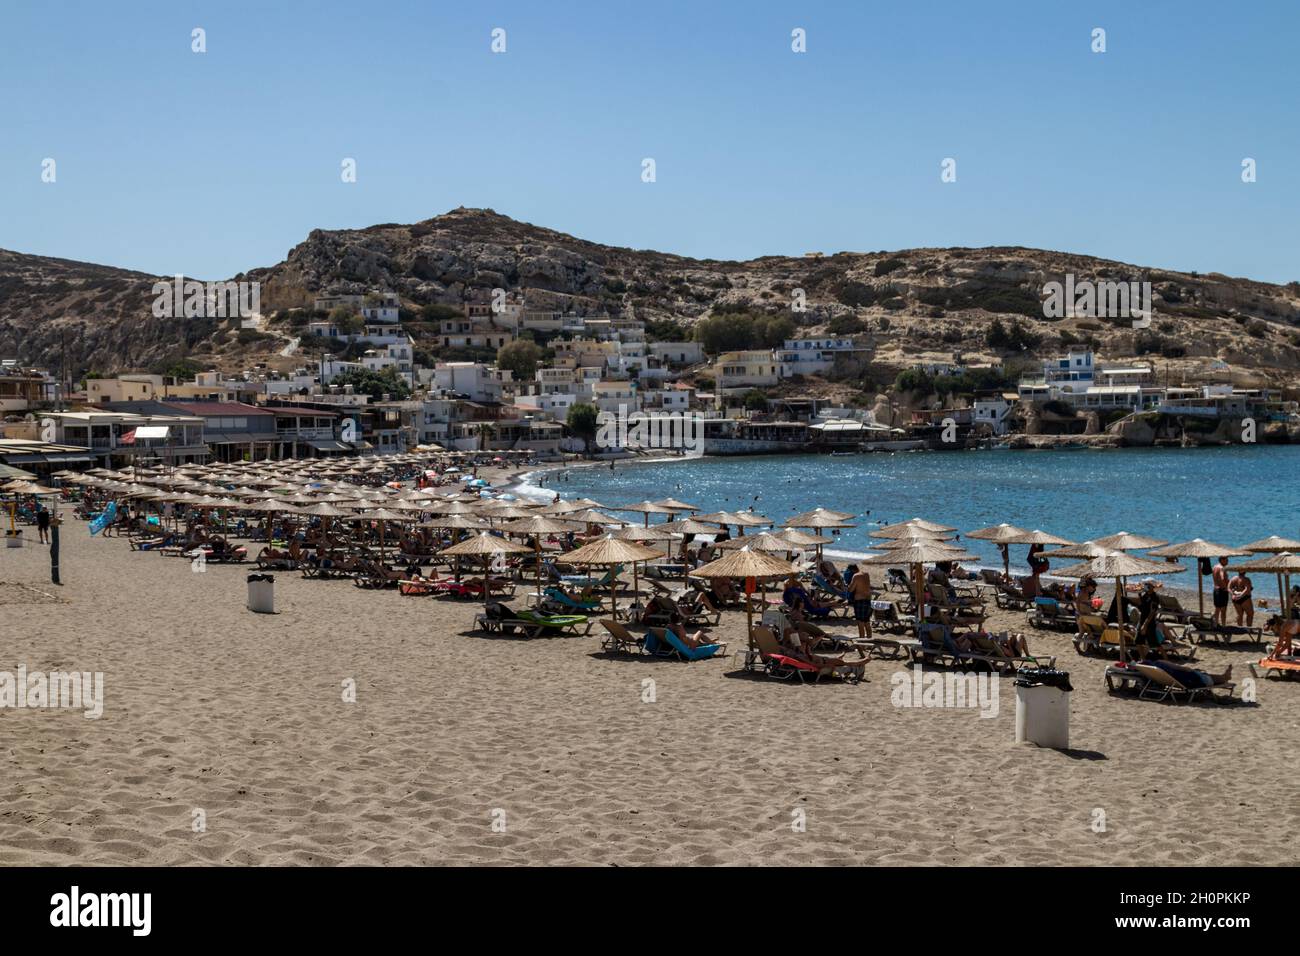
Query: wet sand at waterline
(209,707)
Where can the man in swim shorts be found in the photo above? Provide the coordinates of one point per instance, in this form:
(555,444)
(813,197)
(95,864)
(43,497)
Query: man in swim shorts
(1220,577)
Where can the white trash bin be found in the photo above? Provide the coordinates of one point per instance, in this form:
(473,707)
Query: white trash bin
(1043,710)
(261,593)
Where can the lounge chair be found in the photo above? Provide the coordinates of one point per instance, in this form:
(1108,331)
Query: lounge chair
(896,579)
(561,599)
(662,642)
(1011,598)
(618,638)
(826,587)
(1095,636)
(996,653)
(1281,660)
(552,624)
(1205,630)
(777,662)
(1171,609)
(1051,613)
(1157,683)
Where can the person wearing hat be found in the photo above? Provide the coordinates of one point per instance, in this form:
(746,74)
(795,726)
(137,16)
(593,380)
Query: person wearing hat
(1152,632)
(1083,596)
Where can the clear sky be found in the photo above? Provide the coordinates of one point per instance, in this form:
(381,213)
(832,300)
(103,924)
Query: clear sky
(208,164)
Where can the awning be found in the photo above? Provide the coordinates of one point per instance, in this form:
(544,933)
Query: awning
(326,445)
(8,473)
(360,445)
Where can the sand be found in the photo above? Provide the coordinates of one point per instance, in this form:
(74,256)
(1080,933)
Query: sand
(466,749)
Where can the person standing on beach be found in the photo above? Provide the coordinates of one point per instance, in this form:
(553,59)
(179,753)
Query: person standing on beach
(43,522)
(1241,590)
(1220,577)
(860,596)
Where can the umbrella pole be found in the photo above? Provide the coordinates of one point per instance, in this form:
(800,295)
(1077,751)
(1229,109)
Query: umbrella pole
(916,583)
(1123,618)
(1281,595)
(1200,589)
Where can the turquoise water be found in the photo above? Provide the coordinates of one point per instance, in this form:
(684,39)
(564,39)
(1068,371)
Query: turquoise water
(1228,495)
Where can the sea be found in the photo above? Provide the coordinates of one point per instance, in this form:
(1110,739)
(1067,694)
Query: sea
(1230,495)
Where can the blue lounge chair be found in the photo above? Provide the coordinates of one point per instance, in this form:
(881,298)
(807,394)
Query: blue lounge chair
(822,584)
(558,597)
(665,643)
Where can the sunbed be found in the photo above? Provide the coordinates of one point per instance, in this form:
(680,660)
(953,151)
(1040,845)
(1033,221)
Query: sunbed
(1049,612)
(1205,630)
(1281,661)
(619,638)
(564,601)
(777,663)
(664,643)
(1156,683)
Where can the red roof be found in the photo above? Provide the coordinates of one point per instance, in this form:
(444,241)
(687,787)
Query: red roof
(218,408)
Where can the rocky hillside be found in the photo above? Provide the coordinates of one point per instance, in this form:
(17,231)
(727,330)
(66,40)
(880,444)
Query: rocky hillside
(918,305)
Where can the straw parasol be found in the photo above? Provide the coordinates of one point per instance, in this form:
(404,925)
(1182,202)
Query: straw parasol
(1003,535)
(1272,544)
(741,519)
(1198,548)
(818,518)
(903,532)
(915,556)
(746,564)
(608,550)
(1119,566)
(537,525)
(766,541)
(1124,541)
(1283,564)
(383,516)
(675,506)
(648,508)
(921,523)
(485,546)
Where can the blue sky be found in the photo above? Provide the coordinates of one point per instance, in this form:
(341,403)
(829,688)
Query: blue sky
(170,161)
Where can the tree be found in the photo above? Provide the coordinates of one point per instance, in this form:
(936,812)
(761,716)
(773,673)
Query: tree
(520,357)
(375,384)
(345,320)
(756,400)
(582,422)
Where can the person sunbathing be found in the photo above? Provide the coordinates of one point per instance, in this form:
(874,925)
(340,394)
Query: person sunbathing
(693,641)
(831,574)
(796,597)
(1191,677)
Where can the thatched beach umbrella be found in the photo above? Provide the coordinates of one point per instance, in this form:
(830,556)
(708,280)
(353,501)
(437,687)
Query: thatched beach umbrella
(920,523)
(687,526)
(537,525)
(1272,544)
(486,546)
(818,518)
(767,541)
(1124,541)
(916,556)
(1119,566)
(675,506)
(1197,548)
(739,519)
(1003,535)
(383,516)
(746,564)
(610,551)
(1283,564)
(647,508)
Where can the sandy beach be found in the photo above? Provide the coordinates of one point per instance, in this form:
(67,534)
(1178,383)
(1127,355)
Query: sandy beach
(466,749)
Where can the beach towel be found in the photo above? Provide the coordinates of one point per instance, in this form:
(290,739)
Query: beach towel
(106,517)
